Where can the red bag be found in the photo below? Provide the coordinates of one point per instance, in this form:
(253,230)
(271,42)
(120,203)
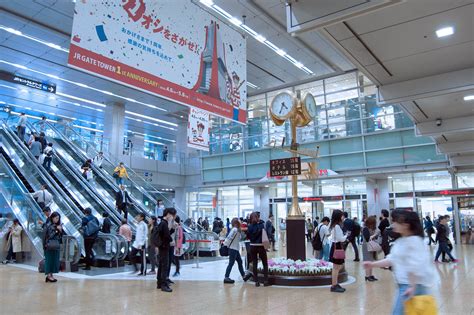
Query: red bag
(339,253)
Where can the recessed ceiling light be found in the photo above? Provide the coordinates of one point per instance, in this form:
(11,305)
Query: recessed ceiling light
(469,98)
(445,31)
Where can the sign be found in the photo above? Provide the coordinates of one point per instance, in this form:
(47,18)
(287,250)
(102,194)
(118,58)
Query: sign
(198,129)
(34,84)
(285,167)
(214,245)
(172,49)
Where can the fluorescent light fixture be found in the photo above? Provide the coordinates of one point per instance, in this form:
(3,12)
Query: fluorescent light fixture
(299,64)
(281,52)
(107,92)
(469,98)
(154,142)
(24,90)
(19,33)
(207,3)
(249,30)
(88,128)
(53,46)
(253,86)
(80,84)
(151,118)
(80,99)
(12,30)
(389,177)
(235,21)
(260,38)
(221,11)
(445,31)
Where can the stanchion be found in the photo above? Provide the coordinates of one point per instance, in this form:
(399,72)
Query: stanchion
(197,255)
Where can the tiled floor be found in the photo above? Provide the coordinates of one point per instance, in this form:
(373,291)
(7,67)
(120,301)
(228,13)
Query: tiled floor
(201,291)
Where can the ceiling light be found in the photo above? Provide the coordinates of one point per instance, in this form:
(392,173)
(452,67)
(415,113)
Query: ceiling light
(469,98)
(281,52)
(80,99)
(24,90)
(389,177)
(235,21)
(221,11)
(299,65)
(151,118)
(260,38)
(207,3)
(107,92)
(253,86)
(53,46)
(154,142)
(445,31)
(11,30)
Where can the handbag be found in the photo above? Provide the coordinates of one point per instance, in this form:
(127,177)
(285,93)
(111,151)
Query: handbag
(421,305)
(373,246)
(224,250)
(115,175)
(265,240)
(53,245)
(339,253)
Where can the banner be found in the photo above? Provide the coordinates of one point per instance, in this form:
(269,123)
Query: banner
(198,129)
(172,49)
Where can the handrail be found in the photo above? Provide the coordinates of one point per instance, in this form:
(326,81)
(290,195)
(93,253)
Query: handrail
(56,191)
(84,184)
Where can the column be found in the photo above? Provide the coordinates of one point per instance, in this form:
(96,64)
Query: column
(114,127)
(138,142)
(377,196)
(181,150)
(180,202)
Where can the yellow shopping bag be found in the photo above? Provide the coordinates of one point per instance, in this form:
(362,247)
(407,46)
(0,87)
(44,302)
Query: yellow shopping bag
(421,305)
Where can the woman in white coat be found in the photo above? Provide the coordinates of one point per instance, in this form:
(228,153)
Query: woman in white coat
(14,242)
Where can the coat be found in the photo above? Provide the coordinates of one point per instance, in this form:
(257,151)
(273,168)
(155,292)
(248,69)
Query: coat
(14,238)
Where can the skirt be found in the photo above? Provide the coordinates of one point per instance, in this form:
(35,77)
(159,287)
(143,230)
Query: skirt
(51,261)
(331,254)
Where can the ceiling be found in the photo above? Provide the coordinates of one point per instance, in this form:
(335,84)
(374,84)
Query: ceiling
(51,21)
(398,49)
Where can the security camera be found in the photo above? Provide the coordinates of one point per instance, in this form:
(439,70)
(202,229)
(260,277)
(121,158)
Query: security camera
(439,121)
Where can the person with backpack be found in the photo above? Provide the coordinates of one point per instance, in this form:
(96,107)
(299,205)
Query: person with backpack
(90,231)
(106,224)
(162,239)
(48,156)
(139,245)
(320,242)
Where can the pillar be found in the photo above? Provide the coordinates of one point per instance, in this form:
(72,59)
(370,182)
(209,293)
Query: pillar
(114,127)
(182,149)
(261,202)
(180,202)
(138,142)
(377,196)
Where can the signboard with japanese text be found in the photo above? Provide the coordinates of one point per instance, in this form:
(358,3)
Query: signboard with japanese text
(285,167)
(32,83)
(198,129)
(172,49)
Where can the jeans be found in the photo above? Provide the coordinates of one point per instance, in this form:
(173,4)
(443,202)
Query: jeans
(134,257)
(234,256)
(163,266)
(11,255)
(119,180)
(399,306)
(443,248)
(47,163)
(325,255)
(88,244)
(255,253)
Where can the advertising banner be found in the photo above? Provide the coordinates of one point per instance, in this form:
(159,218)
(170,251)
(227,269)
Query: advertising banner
(198,129)
(172,49)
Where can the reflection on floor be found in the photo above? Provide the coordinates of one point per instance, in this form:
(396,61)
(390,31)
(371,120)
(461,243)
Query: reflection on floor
(201,291)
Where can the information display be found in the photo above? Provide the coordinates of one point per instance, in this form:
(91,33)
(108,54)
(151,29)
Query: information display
(32,83)
(285,167)
(172,49)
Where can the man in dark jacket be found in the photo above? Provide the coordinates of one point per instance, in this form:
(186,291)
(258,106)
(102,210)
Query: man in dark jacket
(106,225)
(270,229)
(348,227)
(122,200)
(90,232)
(162,238)
(443,238)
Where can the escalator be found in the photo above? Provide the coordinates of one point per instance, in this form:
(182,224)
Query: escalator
(77,188)
(140,190)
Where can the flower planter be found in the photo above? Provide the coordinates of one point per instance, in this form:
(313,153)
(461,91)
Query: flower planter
(303,281)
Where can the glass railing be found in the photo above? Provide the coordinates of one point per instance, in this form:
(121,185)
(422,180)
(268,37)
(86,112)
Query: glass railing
(26,163)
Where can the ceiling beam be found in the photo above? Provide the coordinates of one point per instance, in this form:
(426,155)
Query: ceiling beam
(430,86)
(456,147)
(440,127)
(462,160)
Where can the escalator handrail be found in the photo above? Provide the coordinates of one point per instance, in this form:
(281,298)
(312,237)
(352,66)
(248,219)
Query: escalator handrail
(53,186)
(84,183)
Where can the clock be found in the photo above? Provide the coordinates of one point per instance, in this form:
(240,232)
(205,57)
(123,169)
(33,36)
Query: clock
(282,106)
(309,106)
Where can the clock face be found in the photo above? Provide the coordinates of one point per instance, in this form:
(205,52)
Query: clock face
(282,105)
(310,104)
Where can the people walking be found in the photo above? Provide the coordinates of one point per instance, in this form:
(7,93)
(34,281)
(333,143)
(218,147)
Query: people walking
(52,239)
(336,254)
(21,127)
(13,242)
(270,229)
(429,229)
(120,173)
(232,241)
(122,201)
(162,240)
(151,249)
(255,233)
(443,239)
(349,228)
(48,157)
(90,231)
(139,245)
(309,229)
(370,233)
(409,259)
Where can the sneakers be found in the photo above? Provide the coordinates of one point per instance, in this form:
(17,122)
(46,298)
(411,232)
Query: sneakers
(337,289)
(166,288)
(247,277)
(228,280)
(176,274)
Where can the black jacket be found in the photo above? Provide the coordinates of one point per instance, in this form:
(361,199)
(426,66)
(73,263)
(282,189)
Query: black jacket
(106,225)
(119,198)
(161,235)
(383,225)
(442,235)
(254,232)
(51,233)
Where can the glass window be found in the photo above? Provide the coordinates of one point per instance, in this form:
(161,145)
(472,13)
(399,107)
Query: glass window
(432,181)
(341,82)
(401,183)
(465,180)
(354,186)
(331,187)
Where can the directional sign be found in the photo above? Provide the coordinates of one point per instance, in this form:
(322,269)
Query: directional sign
(32,83)
(285,167)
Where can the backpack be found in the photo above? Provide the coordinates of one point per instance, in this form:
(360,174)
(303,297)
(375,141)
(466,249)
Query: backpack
(92,227)
(356,229)
(155,236)
(317,242)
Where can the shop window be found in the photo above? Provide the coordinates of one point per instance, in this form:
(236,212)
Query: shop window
(432,181)
(465,180)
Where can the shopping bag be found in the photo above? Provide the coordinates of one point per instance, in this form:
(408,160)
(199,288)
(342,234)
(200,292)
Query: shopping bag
(265,240)
(421,305)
